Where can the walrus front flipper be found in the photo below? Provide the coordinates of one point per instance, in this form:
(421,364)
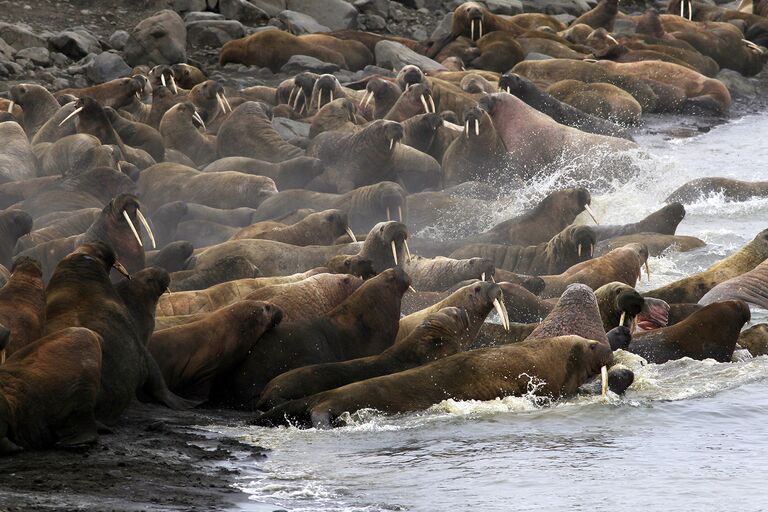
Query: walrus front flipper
(79,429)
(155,389)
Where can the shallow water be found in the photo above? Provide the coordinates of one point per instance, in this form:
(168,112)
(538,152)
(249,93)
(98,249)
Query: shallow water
(688,435)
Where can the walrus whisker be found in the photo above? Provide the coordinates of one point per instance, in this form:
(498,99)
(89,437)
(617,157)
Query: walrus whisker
(120,268)
(424,103)
(351,234)
(604,379)
(477,127)
(394,251)
(173,85)
(591,213)
(407,250)
(73,114)
(432,104)
(144,223)
(133,228)
(10,107)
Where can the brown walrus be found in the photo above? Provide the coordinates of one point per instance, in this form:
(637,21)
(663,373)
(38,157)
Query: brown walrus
(14,224)
(22,304)
(248,132)
(730,189)
(711,332)
(598,100)
(663,221)
(603,15)
(434,338)
(48,390)
(193,355)
(439,274)
(751,287)
(365,324)
(755,339)
(621,305)
(558,365)
(293,173)
(273,48)
(692,288)
(38,106)
(655,242)
(321,228)
(180,129)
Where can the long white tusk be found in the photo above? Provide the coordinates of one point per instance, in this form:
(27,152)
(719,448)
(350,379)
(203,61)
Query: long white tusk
(162,79)
(221,103)
(399,214)
(681,8)
(424,103)
(391,144)
(10,107)
(502,312)
(146,226)
(173,85)
(647,270)
(621,320)
(472,24)
(330,93)
(407,250)
(394,251)
(591,250)
(133,228)
(432,104)
(290,96)
(411,288)
(351,234)
(482,276)
(389,217)
(199,119)
(690,11)
(477,127)
(481,28)
(466,129)
(70,116)
(591,213)
(579,252)
(604,379)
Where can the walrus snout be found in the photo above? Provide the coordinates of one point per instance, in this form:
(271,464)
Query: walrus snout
(601,353)
(630,303)
(511,83)
(619,337)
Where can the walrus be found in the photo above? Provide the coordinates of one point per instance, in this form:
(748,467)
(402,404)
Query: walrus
(692,288)
(621,306)
(603,15)
(321,228)
(415,100)
(365,206)
(38,106)
(138,135)
(180,130)
(524,306)
(558,110)
(193,355)
(755,339)
(140,294)
(365,324)
(709,333)
(116,93)
(127,367)
(496,51)
(522,127)
(14,224)
(248,132)
(17,159)
(293,173)
(663,221)
(749,287)
(730,189)
(48,390)
(353,265)
(73,154)
(598,100)
(622,264)
(440,273)
(434,338)
(339,114)
(273,48)
(187,76)
(656,243)
(22,304)
(558,365)
(571,246)
(226,269)
(384,94)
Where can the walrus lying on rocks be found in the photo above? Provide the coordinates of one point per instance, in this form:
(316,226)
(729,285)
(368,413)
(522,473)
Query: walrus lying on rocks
(321,228)
(556,367)
(48,390)
(435,337)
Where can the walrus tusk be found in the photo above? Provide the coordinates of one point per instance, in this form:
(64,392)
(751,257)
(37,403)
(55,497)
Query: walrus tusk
(399,214)
(681,8)
(454,127)
(432,104)
(509,90)
(502,312)
(482,276)
(591,213)
(221,104)
(70,116)
(621,320)
(2,356)
(120,268)
(133,228)
(391,144)
(472,25)
(579,251)
(389,217)
(365,99)
(647,270)
(173,85)
(481,28)
(612,39)
(749,44)
(493,280)
(199,119)
(466,129)
(604,379)
(162,80)
(394,251)
(144,223)
(290,96)
(330,94)
(138,97)
(411,288)
(351,234)
(477,127)
(591,250)
(295,102)
(407,250)
(10,109)
(424,103)
(690,10)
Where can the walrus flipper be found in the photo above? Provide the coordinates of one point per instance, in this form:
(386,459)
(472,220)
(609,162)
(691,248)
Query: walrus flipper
(156,389)
(79,429)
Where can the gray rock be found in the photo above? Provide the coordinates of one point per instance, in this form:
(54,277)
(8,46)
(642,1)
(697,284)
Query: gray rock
(185,6)
(334,14)
(14,68)
(290,129)
(377,7)
(431,5)
(443,27)
(390,54)
(299,63)
(159,39)
(419,32)
(107,66)
(59,59)
(372,21)
(300,23)
(7,51)
(214,33)
(118,39)
(739,85)
(202,16)
(574,7)
(60,83)
(36,55)
(75,44)
(243,11)
(271,7)
(20,37)
(505,7)
(564,18)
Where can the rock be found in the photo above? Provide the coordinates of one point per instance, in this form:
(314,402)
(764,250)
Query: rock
(299,63)
(432,5)
(739,85)
(59,59)
(300,23)
(372,21)
(118,39)
(443,27)
(7,51)
(202,16)
(419,33)
(564,18)
(290,129)
(37,55)
(377,7)
(390,54)
(243,11)
(107,66)
(60,83)
(574,7)
(505,7)
(75,44)
(185,6)
(159,39)
(271,7)
(334,14)
(214,33)
(20,37)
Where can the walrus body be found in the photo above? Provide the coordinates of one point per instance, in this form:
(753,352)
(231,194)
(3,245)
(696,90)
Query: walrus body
(22,304)
(751,287)
(272,49)
(730,189)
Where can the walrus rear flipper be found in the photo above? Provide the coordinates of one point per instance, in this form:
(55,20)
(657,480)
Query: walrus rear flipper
(295,413)
(155,389)
(702,106)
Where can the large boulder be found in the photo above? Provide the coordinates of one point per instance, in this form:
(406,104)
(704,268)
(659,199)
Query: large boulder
(6,51)
(159,39)
(214,33)
(75,44)
(20,37)
(505,7)
(243,11)
(393,55)
(298,63)
(36,55)
(105,67)
(334,14)
(271,7)
(300,23)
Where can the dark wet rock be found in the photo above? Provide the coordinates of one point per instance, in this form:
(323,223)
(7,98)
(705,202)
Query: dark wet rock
(107,66)
(214,33)
(184,6)
(739,85)
(7,51)
(300,23)
(443,27)
(36,55)
(299,63)
(244,11)
(377,7)
(59,59)
(75,44)
(118,39)
(159,39)
(393,55)
(505,7)
(334,14)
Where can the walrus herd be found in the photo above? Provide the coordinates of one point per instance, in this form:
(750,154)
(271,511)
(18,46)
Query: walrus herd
(165,238)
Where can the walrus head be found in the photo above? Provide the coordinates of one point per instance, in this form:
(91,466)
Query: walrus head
(25,94)
(386,246)
(161,75)
(326,86)
(684,8)
(513,83)
(601,40)
(353,265)
(304,84)
(476,122)
(101,254)
(336,220)
(649,24)
(187,76)
(209,96)
(384,93)
(468,20)
(185,114)
(479,299)
(125,213)
(438,335)
(28,266)
(409,76)
(387,200)
(580,242)
(14,224)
